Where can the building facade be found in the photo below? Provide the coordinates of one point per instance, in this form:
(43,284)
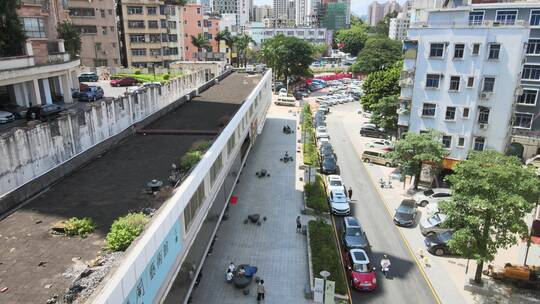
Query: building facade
(42,72)
(150,33)
(335,15)
(280,9)
(313,35)
(260,12)
(397,29)
(377,11)
(99,33)
(474,78)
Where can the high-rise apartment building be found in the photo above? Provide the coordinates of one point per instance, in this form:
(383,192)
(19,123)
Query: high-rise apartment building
(280,9)
(150,32)
(96,22)
(377,11)
(260,12)
(397,29)
(245,8)
(472,73)
(41,71)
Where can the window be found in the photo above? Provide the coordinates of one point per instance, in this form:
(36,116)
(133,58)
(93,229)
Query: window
(165,37)
(82,12)
(113,44)
(479,143)
(458,50)
(87,29)
(476,18)
(209,36)
(466,112)
(494,50)
(535,17)
(195,203)
(432,81)
(134,10)
(100,62)
(151,10)
(199,23)
(171,24)
(531,72)
(523,120)
(528,97)
(155,52)
(155,37)
(475,49)
(447,141)
(436,50)
(136,38)
(454,83)
(164,23)
(34,27)
(153,24)
(135,23)
(104,30)
(97,46)
(483,115)
(470,82)
(429,109)
(533,47)
(450,113)
(102,12)
(198,10)
(489,84)
(110,11)
(138,52)
(461,142)
(506,17)
(173,37)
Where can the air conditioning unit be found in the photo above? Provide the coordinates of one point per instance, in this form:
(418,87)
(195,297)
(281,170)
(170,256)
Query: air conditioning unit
(485,95)
(519,91)
(483,126)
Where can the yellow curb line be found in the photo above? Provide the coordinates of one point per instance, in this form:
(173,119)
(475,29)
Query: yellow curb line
(341,258)
(435,295)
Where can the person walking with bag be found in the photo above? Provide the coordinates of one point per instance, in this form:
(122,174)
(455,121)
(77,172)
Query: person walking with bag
(298,224)
(260,291)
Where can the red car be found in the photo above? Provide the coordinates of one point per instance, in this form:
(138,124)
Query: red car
(359,271)
(124,82)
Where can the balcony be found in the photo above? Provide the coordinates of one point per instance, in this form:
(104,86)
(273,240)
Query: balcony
(526,133)
(403,119)
(406,82)
(24,60)
(484,24)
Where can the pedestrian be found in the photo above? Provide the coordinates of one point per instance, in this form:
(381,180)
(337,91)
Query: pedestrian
(229,276)
(350,193)
(298,224)
(232,268)
(260,291)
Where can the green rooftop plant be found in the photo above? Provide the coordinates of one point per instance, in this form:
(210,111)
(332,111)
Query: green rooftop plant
(79,226)
(125,229)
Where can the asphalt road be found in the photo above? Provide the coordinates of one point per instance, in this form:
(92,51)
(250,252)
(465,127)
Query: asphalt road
(406,283)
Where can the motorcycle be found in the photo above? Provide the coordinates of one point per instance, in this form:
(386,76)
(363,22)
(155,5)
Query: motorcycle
(385,184)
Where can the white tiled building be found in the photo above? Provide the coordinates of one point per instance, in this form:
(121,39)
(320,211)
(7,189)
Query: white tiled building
(398,26)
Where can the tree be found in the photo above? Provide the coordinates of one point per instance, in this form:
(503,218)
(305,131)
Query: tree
(492,194)
(378,53)
(352,40)
(200,42)
(380,84)
(319,49)
(242,43)
(287,56)
(414,149)
(226,37)
(385,113)
(72,37)
(12,34)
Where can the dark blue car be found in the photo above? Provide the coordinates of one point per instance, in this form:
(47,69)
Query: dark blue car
(92,93)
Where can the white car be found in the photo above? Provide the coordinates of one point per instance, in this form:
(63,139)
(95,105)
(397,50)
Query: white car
(334,183)
(432,196)
(321,133)
(339,204)
(432,208)
(6,117)
(382,144)
(320,141)
(283,92)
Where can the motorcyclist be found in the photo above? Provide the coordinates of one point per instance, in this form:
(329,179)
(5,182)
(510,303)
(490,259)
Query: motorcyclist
(385,265)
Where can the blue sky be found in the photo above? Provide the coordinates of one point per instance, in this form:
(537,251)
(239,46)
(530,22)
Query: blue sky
(358,7)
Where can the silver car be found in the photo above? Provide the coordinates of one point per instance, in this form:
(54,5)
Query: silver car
(6,117)
(434,195)
(432,224)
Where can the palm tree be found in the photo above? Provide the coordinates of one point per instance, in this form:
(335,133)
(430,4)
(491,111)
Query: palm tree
(242,42)
(200,42)
(226,37)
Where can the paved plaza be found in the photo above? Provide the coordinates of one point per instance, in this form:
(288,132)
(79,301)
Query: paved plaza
(279,252)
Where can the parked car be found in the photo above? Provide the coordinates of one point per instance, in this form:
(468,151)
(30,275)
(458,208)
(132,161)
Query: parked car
(371,131)
(432,196)
(396,175)
(321,132)
(6,117)
(377,157)
(15,109)
(360,272)
(339,204)
(324,108)
(322,141)
(283,92)
(43,112)
(432,224)
(325,145)
(152,85)
(353,236)
(382,144)
(88,77)
(124,82)
(406,213)
(278,85)
(92,93)
(329,165)
(327,152)
(334,183)
(437,244)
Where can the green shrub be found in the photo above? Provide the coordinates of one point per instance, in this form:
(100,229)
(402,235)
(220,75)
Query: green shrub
(79,226)
(325,254)
(189,160)
(201,146)
(137,72)
(316,195)
(166,77)
(124,230)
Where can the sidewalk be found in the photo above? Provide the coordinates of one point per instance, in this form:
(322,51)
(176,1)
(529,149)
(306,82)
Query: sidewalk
(279,252)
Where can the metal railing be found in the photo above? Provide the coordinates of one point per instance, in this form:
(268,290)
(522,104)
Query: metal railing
(471,24)
(526,133)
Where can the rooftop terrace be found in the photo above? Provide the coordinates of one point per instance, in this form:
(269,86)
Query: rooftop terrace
(33,261)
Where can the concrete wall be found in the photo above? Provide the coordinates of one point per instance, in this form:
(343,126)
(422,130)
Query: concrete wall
(36,156)
(147,265)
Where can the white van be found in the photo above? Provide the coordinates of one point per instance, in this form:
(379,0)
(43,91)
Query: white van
(285,101)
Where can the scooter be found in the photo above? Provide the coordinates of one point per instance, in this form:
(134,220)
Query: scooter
(286,158)
(384,184)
